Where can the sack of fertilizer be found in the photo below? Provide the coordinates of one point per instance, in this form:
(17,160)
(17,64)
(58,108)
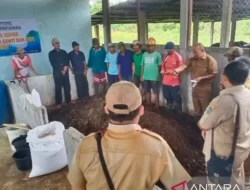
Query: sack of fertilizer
(47,149)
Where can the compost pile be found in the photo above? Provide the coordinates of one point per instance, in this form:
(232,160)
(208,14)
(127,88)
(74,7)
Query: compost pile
(180,131)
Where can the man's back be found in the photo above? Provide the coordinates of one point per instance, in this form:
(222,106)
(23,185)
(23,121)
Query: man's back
(136,159)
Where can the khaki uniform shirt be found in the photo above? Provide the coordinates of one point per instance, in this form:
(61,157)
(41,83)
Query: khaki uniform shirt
(136,159)
(247,84)
(220,116)
(202,66)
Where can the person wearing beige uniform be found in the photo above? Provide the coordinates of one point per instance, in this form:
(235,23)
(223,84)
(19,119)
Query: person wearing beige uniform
(203,69)
(236,53)
(135,158)
(220,117)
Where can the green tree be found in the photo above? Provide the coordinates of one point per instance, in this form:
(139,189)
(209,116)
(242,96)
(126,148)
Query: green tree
(96,6)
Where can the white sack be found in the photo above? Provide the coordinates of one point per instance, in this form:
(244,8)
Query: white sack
(47,149)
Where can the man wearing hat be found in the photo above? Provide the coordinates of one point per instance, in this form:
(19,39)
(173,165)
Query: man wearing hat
(233,53)
(171,81)
(21,64)
(150,66)
(111,61)
(59,61)
(96,61)
(125,62)
(137,59)
(79,67)
(129,151)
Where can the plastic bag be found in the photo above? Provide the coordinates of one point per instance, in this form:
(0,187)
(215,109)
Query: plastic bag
(47,149)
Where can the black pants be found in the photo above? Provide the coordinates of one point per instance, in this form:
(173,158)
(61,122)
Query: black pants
(82,86)
(172,94)
(62,81)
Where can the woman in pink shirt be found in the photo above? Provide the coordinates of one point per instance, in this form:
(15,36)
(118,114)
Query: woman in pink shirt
(22,64)
(171,81)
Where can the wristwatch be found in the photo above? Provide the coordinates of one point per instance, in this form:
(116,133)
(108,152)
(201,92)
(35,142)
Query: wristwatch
(176,73)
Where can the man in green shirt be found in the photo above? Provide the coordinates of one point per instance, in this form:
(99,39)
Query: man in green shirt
(137,59)
(150,67)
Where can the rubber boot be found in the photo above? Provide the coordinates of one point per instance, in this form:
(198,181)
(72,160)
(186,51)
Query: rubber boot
(169,106)
(197,118)
(177,108)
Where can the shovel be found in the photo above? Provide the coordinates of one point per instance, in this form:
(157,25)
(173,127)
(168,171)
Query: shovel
(17,126)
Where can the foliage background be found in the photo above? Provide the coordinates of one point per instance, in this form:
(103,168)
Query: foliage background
(164,32)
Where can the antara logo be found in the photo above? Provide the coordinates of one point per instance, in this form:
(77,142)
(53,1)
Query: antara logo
(180,186)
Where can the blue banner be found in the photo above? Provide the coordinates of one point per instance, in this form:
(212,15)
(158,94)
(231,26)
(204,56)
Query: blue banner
(19,33)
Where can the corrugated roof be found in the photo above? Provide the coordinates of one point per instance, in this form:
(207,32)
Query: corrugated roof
(169,11)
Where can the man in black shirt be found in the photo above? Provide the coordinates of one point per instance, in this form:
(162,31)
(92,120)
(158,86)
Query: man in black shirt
(60,62)
(79,69)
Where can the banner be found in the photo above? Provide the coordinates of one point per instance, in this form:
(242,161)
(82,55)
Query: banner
(19,33)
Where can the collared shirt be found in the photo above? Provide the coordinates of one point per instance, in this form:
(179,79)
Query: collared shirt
(201,67)
(58,60)
(169,64)
(126,62)
(220,116)
(97,60)
(111,59)
(135,158)
(77,60)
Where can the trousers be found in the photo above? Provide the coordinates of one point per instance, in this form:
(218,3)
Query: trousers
(62,82)
(82,86)
(202,96)
(172,94)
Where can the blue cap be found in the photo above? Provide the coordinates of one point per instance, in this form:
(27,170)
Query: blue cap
(169,46)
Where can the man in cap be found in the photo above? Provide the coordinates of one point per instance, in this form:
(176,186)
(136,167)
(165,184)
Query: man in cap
(171,81)
(59,61)
(79,68)
(111,61)
(137,59)
(219,120)
(150,66)
(203,70)
(96,61)
(125,62)
(21,64)
(129,151)
(233,53)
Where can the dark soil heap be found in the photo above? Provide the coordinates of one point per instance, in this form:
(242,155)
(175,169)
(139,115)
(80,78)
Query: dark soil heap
(180,132)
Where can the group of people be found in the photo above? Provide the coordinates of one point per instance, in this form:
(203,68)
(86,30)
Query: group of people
(128,151)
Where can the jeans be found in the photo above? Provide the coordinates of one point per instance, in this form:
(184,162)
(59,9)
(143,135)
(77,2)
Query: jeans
(82,86)
(62,82)
(172,94)
(113,79)
(127,78)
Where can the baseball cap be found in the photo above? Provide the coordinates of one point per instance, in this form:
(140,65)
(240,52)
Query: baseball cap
(235,51)
(135,42)
(151,41)
(169,46)
(75,44)
(54,40)
(20,50)
(111,45)
(123,93)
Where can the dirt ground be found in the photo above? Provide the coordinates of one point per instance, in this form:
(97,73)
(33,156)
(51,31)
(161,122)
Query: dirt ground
(180,131)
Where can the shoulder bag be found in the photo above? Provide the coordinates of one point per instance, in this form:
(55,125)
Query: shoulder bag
(219,169)
(103,163)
